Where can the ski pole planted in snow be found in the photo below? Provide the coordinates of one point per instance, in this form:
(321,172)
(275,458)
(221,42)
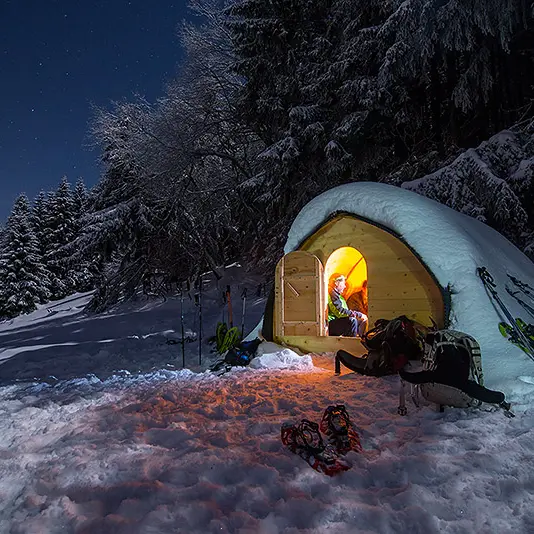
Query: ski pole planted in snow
(200,321)
(229,300)
(182,322)
(244,297)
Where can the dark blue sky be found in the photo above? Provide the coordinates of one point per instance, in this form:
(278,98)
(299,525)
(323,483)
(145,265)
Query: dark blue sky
(57,57)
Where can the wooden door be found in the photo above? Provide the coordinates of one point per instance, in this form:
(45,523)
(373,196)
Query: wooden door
(299,296)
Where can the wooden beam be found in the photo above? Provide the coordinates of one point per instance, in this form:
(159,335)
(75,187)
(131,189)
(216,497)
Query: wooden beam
(321,344)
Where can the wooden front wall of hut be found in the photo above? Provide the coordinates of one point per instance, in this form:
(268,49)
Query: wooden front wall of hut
(398,283)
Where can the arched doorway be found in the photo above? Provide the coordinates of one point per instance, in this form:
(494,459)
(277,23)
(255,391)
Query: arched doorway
(349,262)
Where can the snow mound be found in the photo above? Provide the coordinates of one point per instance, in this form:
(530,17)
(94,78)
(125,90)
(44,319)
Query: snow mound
(273,356)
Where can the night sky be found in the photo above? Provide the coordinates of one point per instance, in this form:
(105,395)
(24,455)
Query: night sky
(57,57)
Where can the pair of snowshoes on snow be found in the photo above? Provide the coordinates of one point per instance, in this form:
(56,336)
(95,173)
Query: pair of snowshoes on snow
(327,456)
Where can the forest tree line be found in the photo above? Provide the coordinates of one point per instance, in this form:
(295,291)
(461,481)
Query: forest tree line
(277,101)
(37,263)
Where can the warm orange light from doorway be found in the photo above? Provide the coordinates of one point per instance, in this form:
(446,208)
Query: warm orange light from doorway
(349,262)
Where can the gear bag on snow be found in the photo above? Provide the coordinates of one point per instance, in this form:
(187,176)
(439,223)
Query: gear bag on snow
(451,373)
(239,356)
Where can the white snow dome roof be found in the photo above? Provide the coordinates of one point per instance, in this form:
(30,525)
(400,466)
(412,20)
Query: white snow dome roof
(452,245)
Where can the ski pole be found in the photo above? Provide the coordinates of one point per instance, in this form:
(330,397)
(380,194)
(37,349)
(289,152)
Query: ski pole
(229,300)
(244,297)
(402,410)
(520,301)
(490,285)
(200,321)
(528,289)
(182,322)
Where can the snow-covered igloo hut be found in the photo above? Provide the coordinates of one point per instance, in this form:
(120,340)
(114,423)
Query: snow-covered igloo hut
(417,257)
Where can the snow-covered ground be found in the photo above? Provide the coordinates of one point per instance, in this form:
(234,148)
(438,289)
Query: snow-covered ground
(114,437)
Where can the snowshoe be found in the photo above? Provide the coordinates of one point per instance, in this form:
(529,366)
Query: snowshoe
(305,440)
(226,338)
(337,426)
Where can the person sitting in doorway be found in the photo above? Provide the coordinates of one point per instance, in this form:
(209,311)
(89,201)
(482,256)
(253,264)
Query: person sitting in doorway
(342,321)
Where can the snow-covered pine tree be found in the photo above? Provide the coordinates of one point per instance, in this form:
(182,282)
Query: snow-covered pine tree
(60,226)
(493,183)
(275,43)
(369,87)
(40,218)
(462,68)
(84,267)
(80,198)
(23,279)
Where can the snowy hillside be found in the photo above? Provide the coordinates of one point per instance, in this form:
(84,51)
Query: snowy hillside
(61,342)
(167,450)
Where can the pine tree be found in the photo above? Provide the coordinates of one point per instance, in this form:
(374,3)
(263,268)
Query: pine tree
(343,90)
(493,183)
(39,220)
(84,265)
(23,279)
(80,198)
(277,45)
(61,226)
(39,217)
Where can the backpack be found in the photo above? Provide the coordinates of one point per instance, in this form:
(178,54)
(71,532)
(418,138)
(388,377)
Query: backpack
(453,357)
(451,374)
(238,356)
(390,344)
